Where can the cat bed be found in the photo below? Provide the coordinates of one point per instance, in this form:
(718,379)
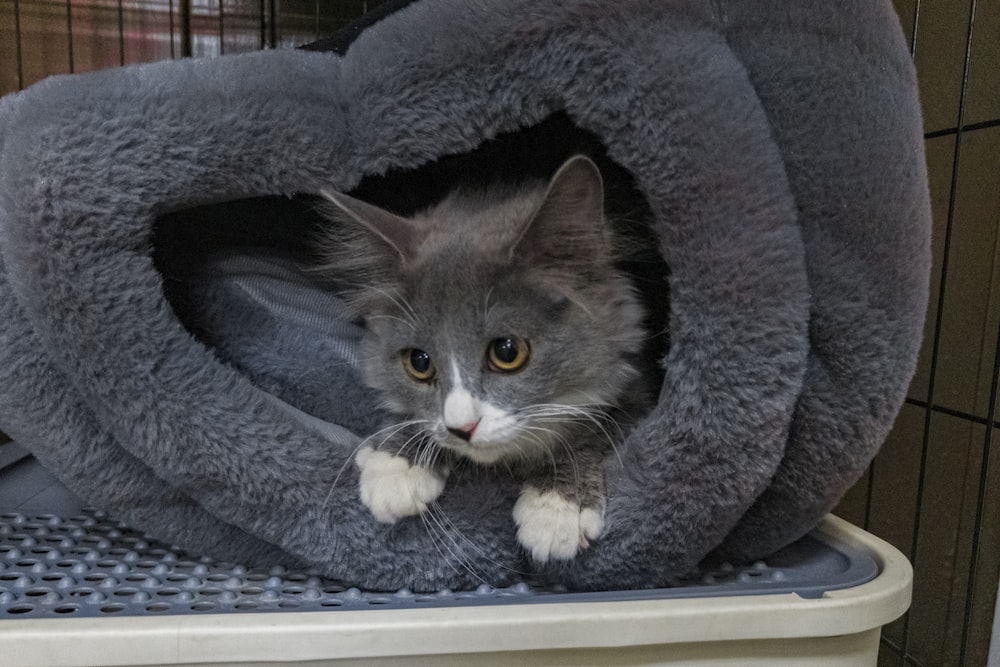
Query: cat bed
(166,356)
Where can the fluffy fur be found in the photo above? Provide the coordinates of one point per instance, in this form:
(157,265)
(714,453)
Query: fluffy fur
(529,267)
(778,146)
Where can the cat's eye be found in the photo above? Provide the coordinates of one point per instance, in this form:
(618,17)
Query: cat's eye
(418,364)
(507,354)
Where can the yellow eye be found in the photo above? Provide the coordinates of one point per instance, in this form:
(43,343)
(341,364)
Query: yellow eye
(507,354)
(418,364)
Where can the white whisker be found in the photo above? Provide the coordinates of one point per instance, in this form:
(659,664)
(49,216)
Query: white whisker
(385,433)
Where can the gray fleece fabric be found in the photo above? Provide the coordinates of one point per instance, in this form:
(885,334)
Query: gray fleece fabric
(778,147)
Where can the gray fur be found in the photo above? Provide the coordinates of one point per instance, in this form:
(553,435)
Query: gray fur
(777,144)
(531,261)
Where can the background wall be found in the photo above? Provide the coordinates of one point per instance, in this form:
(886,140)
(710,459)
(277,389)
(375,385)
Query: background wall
(934,490)
(43,37)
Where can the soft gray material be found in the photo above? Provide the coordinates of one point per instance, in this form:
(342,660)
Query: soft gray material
(778,145)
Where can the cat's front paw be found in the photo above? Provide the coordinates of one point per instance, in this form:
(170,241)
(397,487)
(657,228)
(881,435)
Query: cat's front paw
(553,527)
(392,487)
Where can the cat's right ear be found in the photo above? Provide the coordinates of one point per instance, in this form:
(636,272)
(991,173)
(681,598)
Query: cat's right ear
(395,233)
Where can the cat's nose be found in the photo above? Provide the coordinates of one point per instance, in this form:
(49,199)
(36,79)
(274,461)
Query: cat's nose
(464,432)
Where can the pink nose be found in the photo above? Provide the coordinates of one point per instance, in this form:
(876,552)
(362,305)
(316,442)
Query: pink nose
(464,432)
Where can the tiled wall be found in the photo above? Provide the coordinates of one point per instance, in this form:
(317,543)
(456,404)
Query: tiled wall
(934,490)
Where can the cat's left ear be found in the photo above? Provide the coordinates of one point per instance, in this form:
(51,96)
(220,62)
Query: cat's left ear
(395,232)
(567,233)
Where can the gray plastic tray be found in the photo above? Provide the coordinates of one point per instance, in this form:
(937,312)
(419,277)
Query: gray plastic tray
(58,559)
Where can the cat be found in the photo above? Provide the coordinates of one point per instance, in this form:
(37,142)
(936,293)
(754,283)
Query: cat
(498,331)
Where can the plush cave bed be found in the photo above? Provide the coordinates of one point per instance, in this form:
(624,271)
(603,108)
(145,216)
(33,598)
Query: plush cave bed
(165,355)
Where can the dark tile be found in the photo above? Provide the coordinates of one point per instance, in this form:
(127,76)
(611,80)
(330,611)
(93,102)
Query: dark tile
(907,12)
(895,476)
(943,545)
(986,572)
(45,45)
(940,164)
(9,79)
(983,93)
(970,314)
(939,54)
(853,506)
(150,31)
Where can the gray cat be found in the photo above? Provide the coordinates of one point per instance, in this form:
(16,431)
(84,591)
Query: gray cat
(498,332)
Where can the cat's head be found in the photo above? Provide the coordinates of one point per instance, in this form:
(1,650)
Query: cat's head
(495,316)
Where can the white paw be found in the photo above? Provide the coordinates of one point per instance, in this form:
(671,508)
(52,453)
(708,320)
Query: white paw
(552,527)
(391,487)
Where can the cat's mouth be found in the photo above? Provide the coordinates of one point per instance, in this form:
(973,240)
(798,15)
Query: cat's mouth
(484,447)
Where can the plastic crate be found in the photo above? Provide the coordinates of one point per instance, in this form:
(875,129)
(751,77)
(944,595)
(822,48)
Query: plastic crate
(79,589)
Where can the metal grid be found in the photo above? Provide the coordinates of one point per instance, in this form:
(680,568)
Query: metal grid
(39,38)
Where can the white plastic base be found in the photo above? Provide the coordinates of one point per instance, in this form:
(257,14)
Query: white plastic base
(840,629)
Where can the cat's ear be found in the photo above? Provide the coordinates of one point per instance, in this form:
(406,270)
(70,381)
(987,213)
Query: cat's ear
(392,231)
(567,232)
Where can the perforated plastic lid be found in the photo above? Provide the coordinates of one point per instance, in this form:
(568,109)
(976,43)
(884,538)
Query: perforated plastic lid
(90,565)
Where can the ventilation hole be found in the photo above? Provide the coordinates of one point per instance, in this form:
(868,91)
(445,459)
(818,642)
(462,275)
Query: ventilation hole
(37,593)
(288,604)
(331,603)
(113,608)
(379,601)
(210,592)
(66,609)
(158,607)
(20,609)
(247,605)
(202,606)
(168,592)
(252,591)
(80,592)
